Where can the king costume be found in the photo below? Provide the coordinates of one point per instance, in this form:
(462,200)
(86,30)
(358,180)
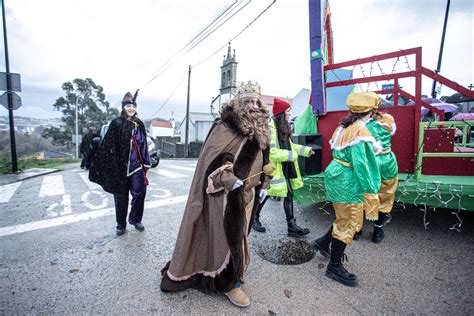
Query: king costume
(211,251)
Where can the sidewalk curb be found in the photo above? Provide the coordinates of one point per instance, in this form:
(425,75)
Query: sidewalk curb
(12,178)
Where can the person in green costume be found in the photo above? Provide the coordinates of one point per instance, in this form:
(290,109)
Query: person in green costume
(382,127)
(352,173)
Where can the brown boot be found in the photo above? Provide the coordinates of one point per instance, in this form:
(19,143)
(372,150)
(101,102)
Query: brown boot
(238,297)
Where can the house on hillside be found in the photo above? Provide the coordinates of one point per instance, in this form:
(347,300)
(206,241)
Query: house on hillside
(199,126)
(161,129)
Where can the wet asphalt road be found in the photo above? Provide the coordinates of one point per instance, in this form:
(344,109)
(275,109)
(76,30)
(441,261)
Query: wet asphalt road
(60,255)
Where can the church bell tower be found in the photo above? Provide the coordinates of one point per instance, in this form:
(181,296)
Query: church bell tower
(229,74)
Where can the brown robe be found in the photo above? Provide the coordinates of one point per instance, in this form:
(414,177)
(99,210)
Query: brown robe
(211,251)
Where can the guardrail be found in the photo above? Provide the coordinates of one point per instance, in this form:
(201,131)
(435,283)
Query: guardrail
(465,125)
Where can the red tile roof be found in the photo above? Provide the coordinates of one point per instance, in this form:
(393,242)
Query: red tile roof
(161,124)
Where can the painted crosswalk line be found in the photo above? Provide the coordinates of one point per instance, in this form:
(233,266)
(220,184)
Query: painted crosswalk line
(74,218)
(90,185)
(169,174)
(183,168)
(51,186)
(7,191)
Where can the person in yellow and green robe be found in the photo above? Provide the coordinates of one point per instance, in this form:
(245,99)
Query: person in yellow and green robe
(352,173)
(382,127)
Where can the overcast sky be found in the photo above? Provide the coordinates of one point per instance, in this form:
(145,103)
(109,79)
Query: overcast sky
(121,44)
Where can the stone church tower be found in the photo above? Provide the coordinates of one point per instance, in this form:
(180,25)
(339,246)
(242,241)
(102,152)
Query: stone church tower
(229,74)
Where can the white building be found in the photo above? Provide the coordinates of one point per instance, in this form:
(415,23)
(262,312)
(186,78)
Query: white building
(161,129)
(199,126)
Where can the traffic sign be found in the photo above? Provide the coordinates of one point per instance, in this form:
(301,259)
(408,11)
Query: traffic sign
(15,98)
(15,79)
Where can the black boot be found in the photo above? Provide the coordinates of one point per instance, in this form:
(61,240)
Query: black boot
(256,225)
(293,229)
(322,243)
(357,235)
(378,235)
(335,269)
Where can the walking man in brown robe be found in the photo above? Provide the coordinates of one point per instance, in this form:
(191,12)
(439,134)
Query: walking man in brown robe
(212,252)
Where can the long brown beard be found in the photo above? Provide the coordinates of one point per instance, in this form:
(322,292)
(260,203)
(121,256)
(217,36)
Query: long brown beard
(255,123)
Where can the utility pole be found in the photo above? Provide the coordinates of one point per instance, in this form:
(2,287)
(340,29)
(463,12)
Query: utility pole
(77,132)
(10,96)
(440,57)
(186,137)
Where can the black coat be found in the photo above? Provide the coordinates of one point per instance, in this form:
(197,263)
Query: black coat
(85,147)
(109,165)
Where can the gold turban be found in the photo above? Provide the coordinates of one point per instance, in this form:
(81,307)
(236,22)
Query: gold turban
(361,102)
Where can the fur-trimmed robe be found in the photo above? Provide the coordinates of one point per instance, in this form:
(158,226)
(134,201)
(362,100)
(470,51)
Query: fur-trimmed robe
(209,252)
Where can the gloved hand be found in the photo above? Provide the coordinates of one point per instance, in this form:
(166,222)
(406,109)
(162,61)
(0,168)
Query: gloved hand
(262,195)
(237,184)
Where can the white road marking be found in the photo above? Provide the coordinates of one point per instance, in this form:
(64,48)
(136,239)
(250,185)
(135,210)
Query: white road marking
(7,191)
(164,193)
(169,174)
(67,207)
(103,203)
(73,218)
(183,168)
(52,185)
(91,185)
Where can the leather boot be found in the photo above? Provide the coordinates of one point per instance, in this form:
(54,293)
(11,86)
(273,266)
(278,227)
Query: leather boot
(335,269)
(293,229)
(378,235)
(322,243)
(357,235)
(257,225)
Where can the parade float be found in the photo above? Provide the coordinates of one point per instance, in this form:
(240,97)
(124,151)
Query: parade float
(435,157)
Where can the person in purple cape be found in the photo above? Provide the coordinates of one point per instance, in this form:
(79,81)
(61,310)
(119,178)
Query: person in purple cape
(121,163)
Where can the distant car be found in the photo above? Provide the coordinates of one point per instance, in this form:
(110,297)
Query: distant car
(155,154)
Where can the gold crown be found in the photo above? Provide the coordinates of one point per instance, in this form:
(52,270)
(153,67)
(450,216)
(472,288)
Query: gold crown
(248,90)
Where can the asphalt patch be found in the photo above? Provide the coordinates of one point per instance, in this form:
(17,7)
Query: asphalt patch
(286,251)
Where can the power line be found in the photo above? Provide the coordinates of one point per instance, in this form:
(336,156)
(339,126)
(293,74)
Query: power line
(233,38)
(214,20)
(221,24)
(196,40)
(169,97)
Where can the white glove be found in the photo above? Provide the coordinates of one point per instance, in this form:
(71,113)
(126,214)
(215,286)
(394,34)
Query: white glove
(263,195)
(237,184)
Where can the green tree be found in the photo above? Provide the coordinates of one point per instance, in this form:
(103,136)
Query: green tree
(92,108)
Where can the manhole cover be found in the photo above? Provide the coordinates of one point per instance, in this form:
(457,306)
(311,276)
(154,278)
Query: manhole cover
(286,251)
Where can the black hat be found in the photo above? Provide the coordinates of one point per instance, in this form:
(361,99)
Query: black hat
(128,99)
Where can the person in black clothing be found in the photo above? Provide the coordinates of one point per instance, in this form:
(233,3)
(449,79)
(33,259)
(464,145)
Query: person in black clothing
(121,162)
(86,147)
